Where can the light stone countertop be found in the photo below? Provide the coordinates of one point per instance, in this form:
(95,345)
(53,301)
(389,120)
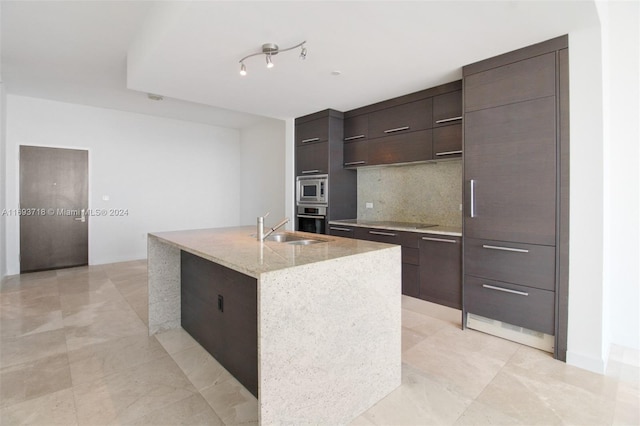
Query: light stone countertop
(237,249)
(453,231)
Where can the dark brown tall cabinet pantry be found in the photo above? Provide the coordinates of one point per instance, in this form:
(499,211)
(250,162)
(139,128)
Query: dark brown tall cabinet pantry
(516,189)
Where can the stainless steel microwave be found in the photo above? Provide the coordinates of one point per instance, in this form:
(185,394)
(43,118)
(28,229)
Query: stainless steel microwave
(312,189)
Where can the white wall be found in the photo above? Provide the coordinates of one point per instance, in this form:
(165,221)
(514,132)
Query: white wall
(169,174)
(3,149)
(263,171)
(623,140)
(604,245)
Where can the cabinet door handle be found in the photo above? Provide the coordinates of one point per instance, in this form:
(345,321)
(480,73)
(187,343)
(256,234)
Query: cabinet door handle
(353,163)
(350,138)
(440,240)
(386,234)
(472,197)
(397,129)
(310,140)
(448,153)
(335,228)
(517,250)
(220,303)
(305,172)
(446,120)
(506,290)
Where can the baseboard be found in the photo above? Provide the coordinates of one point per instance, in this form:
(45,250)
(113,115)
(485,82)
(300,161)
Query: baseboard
(587,362)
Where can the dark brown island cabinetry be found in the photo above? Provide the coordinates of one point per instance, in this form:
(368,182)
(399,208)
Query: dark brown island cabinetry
(220,310)
(515,224)
(403,130)
(319,151)
(440,270)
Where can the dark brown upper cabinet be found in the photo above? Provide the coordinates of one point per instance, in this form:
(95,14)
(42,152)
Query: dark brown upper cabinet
(401,148)
(447,142)
(398,130)
(319,150)
(516,82)
(312,131)
(405,118)
(447,109)
(312,158)
(356,128)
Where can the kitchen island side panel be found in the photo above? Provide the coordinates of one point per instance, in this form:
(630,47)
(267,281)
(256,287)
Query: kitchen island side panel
(164,285)
(329,338)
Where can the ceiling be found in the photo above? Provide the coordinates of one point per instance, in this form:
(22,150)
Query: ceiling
(112,53)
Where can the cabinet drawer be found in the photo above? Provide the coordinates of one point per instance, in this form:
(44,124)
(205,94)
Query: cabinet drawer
(524,80)
(524,264)
(355,153)
(401,148)
(341,231)
(447,142)
(405,239)
(523,306)
(403,118)
(312,158)
(312,131)
(356,127)
(447,108)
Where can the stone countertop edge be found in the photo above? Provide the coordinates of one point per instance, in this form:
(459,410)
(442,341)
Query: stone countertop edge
(453,231)
(234,248)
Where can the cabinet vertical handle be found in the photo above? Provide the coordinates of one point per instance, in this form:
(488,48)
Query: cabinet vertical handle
(220,303)
(472,198)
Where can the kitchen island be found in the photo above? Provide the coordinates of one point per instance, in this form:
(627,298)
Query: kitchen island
(327,315)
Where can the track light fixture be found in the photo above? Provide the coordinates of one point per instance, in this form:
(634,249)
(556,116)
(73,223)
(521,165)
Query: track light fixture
(269,50)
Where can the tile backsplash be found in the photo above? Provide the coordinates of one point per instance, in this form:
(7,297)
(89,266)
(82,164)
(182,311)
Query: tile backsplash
(425,193)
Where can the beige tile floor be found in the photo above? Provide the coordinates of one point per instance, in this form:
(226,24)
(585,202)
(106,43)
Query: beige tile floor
(74,350)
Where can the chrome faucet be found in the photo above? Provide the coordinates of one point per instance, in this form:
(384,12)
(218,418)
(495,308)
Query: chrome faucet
(260,234)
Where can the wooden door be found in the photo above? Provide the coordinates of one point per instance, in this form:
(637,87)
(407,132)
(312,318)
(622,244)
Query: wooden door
(53,204)
(510,172)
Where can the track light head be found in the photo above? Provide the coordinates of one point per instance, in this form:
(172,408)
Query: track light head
(303,52)
(243,69)
(269,62)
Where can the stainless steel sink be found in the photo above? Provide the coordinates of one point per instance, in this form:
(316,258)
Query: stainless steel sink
(292,239)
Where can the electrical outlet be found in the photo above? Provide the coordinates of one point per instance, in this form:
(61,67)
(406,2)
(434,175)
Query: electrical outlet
(369,205)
